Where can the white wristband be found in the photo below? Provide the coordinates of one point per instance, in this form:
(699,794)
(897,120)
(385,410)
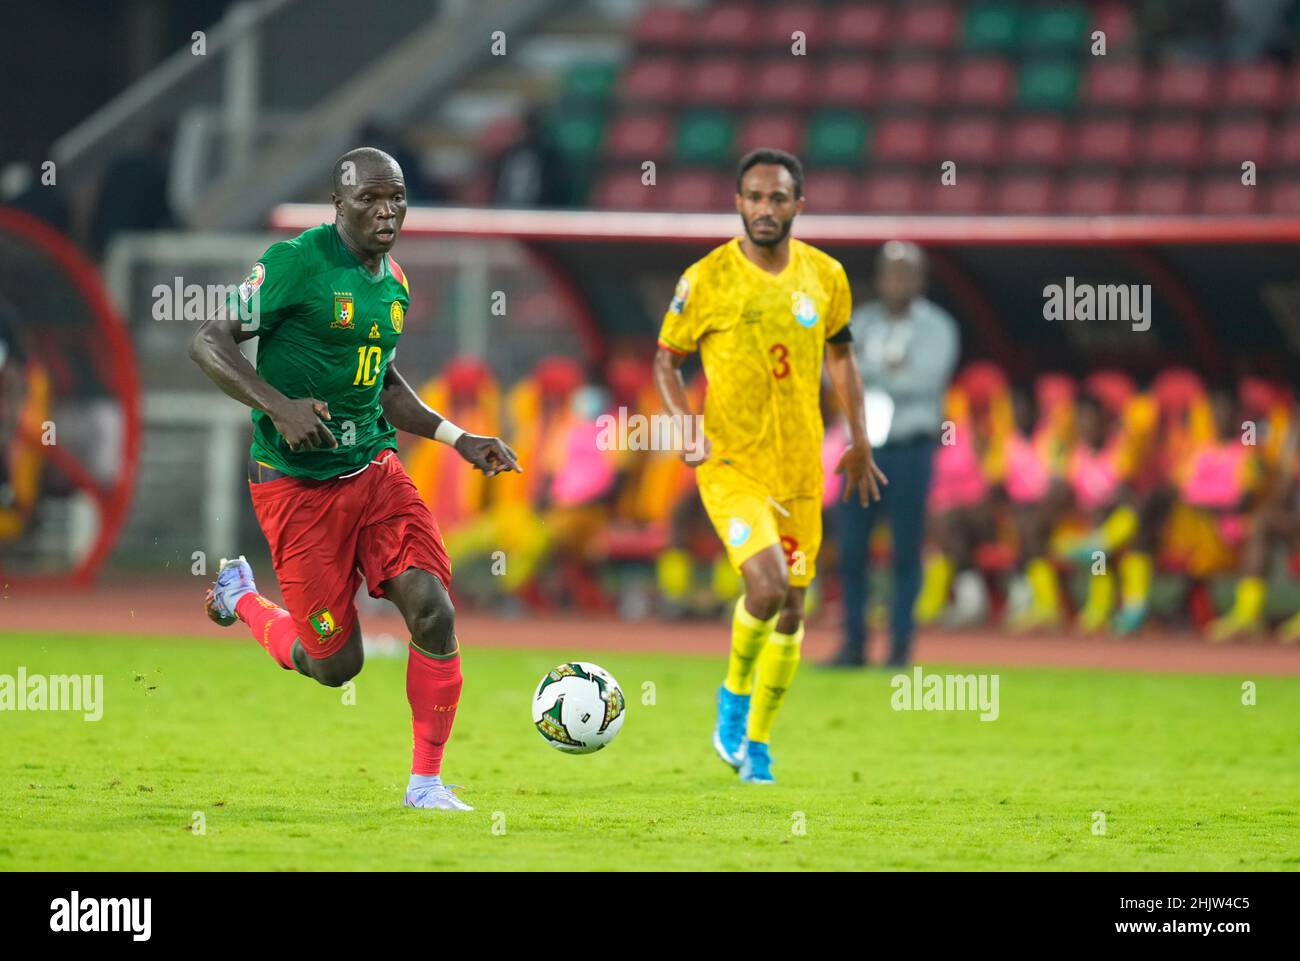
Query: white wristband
(447,433)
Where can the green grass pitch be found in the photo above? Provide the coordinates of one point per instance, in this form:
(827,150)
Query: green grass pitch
(288,777)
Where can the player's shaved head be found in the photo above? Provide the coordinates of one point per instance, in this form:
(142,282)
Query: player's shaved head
(363,164)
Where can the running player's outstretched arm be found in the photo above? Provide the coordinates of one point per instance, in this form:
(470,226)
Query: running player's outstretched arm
(405,411)
(672,391)
(857,464)
(215,348)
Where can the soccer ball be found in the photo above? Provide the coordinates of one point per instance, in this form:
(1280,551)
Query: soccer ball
(578,708)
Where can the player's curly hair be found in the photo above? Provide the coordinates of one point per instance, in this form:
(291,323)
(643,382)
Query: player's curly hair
(770,155)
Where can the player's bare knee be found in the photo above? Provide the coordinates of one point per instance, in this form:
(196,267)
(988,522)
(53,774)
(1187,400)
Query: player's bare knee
(791,614)
(433,628)
(764,594)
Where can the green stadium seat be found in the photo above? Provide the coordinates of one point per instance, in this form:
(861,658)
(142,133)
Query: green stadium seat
(587,82)
(837,138)
(704,137)
(1049,85)
(1062,29)
(992,27)
(578,135)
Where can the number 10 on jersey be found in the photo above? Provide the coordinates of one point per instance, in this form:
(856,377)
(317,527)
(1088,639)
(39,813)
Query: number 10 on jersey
(367,366)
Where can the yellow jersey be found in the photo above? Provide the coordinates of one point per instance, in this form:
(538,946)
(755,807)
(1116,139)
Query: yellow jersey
(761,338)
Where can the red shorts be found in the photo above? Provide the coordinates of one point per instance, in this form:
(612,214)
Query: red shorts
(325,535)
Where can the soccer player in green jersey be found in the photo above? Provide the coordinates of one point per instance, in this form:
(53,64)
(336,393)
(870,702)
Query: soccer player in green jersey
(329,492)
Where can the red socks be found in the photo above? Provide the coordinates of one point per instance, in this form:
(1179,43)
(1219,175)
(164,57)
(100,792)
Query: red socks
(433,687)
(271,625)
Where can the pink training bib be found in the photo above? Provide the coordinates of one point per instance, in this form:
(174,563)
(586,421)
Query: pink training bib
(958,480)
(1216,477)
(587,472)
(1093,477)
(1028,477)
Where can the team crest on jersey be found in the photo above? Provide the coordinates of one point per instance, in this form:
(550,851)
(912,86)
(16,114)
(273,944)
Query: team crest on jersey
(397,316)
(738,532)
(322,623)
(805,310)
(252,282)
(679,296)
(344,312)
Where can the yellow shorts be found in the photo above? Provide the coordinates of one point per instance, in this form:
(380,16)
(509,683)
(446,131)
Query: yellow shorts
(749,520)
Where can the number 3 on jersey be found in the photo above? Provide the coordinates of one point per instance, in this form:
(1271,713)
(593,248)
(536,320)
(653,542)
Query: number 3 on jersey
(781,353)
(367,366)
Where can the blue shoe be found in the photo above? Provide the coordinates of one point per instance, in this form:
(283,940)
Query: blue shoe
(729,735)
(757,765)
(234,580)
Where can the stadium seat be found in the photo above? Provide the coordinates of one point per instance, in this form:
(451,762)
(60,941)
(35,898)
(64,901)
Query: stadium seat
(1172,143)
(904,140)
(926,26)
(1287,147)
(728,26)
(806,18)
(577,134)
(703,191)
(717,81)
(1115,20)
(837,138)
(623,190)
(704,137)
(1184,85)
(783,131)
(969,195)
(589,82)
(782,80)
(1165,194)
(1093,195)
(916,83)
(892,193)
(1236,140)
(1108,142)
(848,83)
(1026,195)
(1048,85)
(638,137)
(652,80)
(1253,86)
(860,26)
(983,82)
(1054,29)
(1038,140)
(830,191)
(664,26)
(1228,195)
(973,140)
(1284,198)
(1122,85)
(992,27)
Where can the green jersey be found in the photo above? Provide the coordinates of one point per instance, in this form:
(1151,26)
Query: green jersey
(327,328)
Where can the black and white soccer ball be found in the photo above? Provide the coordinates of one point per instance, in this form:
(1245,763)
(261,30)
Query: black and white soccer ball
(578,708)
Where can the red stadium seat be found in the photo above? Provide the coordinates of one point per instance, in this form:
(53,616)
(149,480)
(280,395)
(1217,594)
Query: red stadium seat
(1038,140)
(1122,85)
(664,26)
(721,81)
(863,26)
(1026,195)
(638,136)
(806,18)
(1234,141)
(1110,142)
(783,131)
(898,193)
(969,195)
(703,191)
(984,82)
(1094,195)
(1288,145)
(848,83)
(916,83)
(1168,194)
(730,26)
(908,140)
(1284,198)
(655,80)
(783,80)
(1228,195)
(1173,143)
(1253,86)
(1115,20)
(975,140)
(927,26)
(623,190)
(1184,85)
(830,191)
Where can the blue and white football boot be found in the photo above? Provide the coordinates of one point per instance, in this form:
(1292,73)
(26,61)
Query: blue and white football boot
(429,792)
(756,768)
(234,580)
(729,735)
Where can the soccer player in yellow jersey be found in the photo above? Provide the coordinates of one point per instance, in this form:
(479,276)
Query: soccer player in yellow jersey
(764,310)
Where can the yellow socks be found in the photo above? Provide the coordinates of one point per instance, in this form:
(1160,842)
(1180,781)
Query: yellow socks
(1118,528)
(1246,614)
(748,636)
(1135,569)
(934,588)
(1044,587)
(1101,599)
(776,667)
